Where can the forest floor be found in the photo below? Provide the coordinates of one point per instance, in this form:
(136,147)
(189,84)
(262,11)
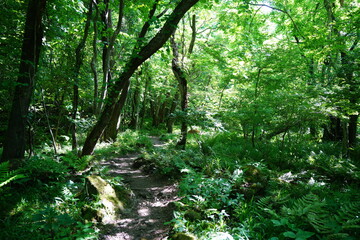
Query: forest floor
(151,204)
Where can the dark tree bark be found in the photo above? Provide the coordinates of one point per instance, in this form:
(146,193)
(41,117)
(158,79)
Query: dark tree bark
(78,63)
(112,130)
(145,98)
(193,34)
(177,68)
(93,64)
(333,131)
(135,104)
(15,144)
(352,130)
(105,15)
(135,61)
(108,45)
(346,72)
(348,68)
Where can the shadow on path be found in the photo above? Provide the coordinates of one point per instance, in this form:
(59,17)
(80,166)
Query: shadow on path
(151,206)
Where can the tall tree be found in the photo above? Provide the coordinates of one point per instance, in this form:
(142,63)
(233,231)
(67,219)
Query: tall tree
(15,144)
(134,62)
(183,87)
(113,126)
(177,65)
(78,63)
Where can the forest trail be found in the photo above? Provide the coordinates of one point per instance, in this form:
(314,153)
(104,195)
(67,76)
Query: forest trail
(151,206)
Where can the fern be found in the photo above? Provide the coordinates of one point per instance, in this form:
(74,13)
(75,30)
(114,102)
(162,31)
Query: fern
(6,176)
(309,203)
(322,218)
(349,215)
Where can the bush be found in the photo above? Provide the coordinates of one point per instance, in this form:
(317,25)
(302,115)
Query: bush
(44,168)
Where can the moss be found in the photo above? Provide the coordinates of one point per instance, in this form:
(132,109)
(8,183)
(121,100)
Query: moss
(112,206)
(183,236)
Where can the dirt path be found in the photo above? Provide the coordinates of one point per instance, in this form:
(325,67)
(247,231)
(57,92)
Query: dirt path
(151,204)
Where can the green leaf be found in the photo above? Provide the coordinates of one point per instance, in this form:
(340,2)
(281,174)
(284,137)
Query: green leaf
(289,234)
(300,235)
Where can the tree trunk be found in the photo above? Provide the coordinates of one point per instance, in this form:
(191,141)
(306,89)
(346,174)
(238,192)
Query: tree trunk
(15,144)
(334,131)
(180,77)
(108,45)
(112,129)
(144,101)
(346,71)
(135,104)
(96,105)
(106,51)
(352,130)
(135,61)
(78,63)
(179,73)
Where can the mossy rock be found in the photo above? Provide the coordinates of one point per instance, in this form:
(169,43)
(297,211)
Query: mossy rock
(255,182)
(183,236)
(112,206)
(193,215)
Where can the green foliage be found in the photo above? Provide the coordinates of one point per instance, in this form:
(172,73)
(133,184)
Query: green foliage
(127,142)
(262,192)
(309,215)
(45,167)
(55,225)
(50,206)
(75,162)
(7,176)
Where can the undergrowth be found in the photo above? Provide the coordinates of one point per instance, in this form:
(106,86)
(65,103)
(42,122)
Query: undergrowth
(229,188)
(46,198)
(276,190)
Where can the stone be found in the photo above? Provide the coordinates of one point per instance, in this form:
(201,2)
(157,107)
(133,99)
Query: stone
(111,205)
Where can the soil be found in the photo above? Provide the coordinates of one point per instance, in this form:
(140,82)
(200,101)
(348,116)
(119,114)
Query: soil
(151,203)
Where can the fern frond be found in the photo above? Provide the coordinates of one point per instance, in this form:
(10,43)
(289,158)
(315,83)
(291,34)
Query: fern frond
(349,215)
(323,222)
(338,236)
(264,202)
(6,175)
(306,204)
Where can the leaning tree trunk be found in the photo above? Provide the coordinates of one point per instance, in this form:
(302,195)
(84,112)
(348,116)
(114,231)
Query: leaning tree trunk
(15,144)
(135,61)
(112,130)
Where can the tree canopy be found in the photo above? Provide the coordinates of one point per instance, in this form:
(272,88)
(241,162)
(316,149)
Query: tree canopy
(279,79)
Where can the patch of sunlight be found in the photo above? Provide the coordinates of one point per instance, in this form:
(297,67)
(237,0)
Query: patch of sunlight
(313,182)
(144,211)
(287,177)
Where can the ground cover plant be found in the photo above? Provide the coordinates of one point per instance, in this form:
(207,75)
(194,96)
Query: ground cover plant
(46,197)
(292,190)
(251,107)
